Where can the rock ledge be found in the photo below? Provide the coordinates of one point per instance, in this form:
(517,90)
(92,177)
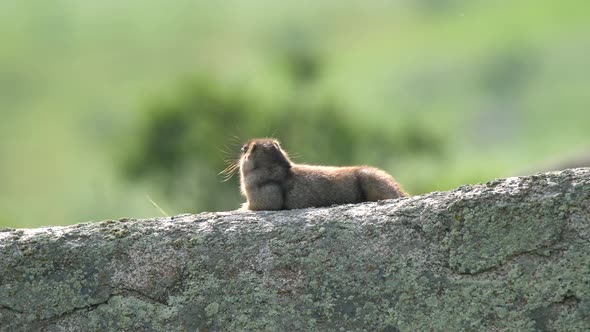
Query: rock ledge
(512,254)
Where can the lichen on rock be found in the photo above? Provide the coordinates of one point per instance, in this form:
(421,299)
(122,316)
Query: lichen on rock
(512,254)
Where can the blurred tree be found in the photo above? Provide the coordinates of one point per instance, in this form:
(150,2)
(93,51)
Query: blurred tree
(182,143)
(439,7)
(509,71)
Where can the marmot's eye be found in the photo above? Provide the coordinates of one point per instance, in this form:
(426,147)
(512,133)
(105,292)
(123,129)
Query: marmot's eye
(244,148)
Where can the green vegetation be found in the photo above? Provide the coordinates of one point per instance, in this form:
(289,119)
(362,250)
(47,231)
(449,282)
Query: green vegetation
(104,103)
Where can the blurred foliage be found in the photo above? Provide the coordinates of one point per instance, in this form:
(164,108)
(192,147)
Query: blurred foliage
(183,141)
(509,71)
(106,103)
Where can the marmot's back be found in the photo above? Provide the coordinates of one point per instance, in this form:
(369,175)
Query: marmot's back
(324,186)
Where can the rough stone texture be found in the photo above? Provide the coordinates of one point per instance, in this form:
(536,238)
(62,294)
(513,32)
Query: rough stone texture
(509,255)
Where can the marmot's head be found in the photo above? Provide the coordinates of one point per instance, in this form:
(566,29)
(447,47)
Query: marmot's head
(263,153)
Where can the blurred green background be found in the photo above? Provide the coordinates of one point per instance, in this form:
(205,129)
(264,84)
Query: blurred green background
(106,103)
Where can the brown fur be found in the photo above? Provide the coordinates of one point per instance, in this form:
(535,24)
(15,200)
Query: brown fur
(271,181)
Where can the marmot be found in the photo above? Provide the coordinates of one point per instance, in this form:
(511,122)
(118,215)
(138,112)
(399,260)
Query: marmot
(271,181)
